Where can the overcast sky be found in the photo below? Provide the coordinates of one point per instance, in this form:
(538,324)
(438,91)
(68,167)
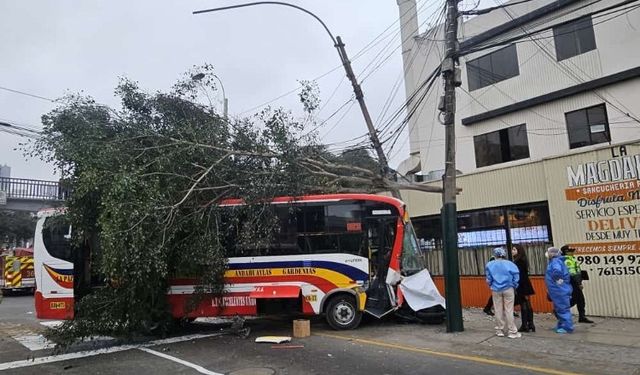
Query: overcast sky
(52,47)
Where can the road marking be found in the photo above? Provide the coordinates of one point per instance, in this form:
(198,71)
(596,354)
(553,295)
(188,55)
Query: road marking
(51,323)
(463,357)
(198,368)
(89,353)
(25,336)
(34,341)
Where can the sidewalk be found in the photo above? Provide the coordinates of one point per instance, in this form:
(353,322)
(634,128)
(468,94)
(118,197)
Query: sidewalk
(613,342)
(610,346)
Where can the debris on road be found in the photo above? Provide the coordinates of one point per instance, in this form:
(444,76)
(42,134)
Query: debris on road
(287,346)
(273,339)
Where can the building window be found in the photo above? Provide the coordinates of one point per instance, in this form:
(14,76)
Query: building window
(494,67)
(574,38)
(588,126)
(501,146)
(479,231)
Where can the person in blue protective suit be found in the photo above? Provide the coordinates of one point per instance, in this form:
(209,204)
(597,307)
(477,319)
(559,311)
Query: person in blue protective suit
(558,283)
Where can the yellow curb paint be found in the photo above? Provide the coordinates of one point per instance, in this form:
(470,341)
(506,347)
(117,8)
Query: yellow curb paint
(449,355)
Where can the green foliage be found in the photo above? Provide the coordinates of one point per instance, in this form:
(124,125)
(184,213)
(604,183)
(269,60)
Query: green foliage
(146,180)
(309,95)
(15,226)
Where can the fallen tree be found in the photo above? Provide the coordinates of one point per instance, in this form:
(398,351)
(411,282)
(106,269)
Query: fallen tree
(146,180)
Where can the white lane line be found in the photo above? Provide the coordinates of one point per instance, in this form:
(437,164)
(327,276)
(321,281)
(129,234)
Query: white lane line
(198,368)
(89,353)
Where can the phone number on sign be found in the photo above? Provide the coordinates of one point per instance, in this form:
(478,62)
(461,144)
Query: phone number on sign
(612,265)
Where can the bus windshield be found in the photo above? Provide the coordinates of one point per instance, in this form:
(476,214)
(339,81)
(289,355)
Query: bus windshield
(412,261)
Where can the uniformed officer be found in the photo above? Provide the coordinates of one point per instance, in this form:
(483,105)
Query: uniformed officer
(576,282)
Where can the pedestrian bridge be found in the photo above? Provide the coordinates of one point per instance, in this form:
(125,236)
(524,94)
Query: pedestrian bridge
(20,194)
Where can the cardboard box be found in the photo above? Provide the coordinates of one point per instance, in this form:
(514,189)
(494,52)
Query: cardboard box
(301,328)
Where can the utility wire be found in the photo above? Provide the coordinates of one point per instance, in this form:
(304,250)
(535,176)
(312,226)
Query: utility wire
(576,77)
(476,12)
(530,33)
(28,94)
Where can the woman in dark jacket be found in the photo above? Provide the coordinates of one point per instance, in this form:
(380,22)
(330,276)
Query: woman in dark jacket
(525,289)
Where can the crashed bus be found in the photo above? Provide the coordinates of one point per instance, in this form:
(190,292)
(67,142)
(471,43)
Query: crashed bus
(340,255)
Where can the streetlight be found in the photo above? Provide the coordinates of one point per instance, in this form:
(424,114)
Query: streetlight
(225,101)
(337,42)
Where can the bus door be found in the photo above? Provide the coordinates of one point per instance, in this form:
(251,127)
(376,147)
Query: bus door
(380,238)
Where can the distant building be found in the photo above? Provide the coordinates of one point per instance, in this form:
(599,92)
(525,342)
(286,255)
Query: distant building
(5,171)
(547,141)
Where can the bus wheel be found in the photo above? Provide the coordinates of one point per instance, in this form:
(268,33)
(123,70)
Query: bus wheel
(342,312)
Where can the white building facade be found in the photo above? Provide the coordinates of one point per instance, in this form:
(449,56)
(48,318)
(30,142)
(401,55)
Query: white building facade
(547,139)
(572,86)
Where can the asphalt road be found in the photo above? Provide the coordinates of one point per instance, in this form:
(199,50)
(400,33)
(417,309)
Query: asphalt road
(322,353)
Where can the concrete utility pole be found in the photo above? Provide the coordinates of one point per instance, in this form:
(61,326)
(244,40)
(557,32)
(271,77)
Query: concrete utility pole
(451,75)
(373,134)
(337,42)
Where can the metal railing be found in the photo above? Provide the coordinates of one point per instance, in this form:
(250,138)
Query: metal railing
(22,188)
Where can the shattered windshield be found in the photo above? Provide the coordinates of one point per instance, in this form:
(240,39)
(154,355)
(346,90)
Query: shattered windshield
(412,261)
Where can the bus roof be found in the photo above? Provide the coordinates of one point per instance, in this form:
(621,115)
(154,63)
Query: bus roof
(327,198)
(46,212)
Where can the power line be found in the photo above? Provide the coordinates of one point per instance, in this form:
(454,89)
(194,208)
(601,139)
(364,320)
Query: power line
(402,41)
(340,119)
(28,94)
(529,34)
(356,56)
(414,56)
(574,76)
(474,12)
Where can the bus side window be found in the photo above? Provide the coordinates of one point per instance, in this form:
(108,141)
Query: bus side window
(56,237)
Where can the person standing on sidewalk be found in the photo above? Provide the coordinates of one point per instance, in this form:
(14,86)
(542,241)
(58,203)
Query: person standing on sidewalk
(558,284)
(524,290)
(488,308)
(502,277)
(576,282)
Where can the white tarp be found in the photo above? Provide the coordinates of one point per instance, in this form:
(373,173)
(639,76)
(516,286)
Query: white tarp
(420,292)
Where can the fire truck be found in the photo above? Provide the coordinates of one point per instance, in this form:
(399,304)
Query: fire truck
(17,271)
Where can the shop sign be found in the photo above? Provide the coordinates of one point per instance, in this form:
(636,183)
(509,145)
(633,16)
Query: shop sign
(607,205)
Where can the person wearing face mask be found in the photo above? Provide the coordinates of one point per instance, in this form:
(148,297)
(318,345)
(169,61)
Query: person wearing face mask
(502,277)
(558,284)
(525,289)
(576,282)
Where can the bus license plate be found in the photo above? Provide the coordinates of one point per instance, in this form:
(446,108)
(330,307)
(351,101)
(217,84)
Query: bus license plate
(57,305)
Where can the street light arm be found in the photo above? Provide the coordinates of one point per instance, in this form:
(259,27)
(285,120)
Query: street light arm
(269,3)
(224,95)
(354,82)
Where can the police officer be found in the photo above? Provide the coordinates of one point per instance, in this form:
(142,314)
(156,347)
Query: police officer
(576,282)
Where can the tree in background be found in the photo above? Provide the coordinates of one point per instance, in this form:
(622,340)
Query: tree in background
(16,227)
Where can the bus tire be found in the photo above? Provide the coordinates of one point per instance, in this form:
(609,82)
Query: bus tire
(342,312)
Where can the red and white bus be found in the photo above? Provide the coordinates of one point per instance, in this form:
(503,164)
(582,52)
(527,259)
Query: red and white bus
(339,255)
